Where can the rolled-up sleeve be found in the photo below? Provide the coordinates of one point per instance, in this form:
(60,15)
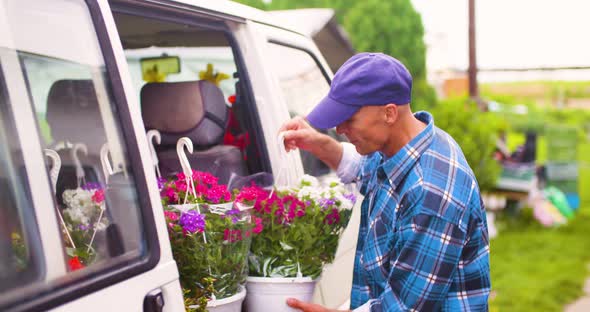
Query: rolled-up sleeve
(349,165)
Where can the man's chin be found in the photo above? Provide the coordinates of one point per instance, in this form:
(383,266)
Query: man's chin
(361,151)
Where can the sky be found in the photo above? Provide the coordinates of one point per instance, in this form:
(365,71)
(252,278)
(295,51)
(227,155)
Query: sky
(510,33)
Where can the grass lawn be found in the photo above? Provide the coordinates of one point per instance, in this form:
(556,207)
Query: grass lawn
(540,269)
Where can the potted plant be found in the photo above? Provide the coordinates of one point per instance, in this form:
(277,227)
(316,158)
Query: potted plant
(83,218)
(299,230)
(210,238)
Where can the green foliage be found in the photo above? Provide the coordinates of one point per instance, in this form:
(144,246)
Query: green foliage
(306,244)
(298,228)
(392,27)
(199,304)
(535,268)
(220,253)
(423,96)
(19,248)
(397,32)
(476,133)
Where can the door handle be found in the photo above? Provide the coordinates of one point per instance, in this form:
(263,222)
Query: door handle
(154,301)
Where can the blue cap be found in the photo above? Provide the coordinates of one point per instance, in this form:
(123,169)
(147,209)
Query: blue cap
(364,79)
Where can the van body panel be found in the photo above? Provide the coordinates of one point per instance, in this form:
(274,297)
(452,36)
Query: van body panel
(129,295)
(252,31)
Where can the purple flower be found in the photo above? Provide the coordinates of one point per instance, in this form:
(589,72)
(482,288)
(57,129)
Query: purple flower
(161,182)
(326,202)
(192,221)
(83,227)
(351,197)
(91,186)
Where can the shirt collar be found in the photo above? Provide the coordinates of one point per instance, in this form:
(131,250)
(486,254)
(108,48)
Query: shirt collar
(397,166)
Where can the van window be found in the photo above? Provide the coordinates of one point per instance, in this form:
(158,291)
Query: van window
(303,85)
(103,227)
(205,99)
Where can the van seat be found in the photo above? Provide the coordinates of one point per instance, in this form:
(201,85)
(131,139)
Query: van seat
(197,110)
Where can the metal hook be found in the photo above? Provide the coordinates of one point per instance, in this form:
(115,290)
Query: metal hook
(80,175)
(151,135)
(53,175)
(55,166)
(107,168)
(185,164)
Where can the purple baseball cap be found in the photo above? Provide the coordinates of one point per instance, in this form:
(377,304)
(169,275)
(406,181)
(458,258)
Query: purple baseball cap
(364,79)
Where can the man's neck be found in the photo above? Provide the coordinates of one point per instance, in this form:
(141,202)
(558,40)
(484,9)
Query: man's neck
(402,132)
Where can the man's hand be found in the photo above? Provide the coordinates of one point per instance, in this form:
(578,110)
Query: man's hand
(299,134)
(308,307)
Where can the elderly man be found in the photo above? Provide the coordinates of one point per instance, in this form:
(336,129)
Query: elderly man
(423,240)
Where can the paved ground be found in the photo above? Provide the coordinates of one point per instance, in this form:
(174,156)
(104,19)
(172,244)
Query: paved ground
(582,304)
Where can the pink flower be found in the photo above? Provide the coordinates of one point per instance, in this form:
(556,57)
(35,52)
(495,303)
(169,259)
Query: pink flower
(232,235)
(251,194)
(259,227)
(171,194)
(204,177)
(333,217)
(171,215)
(98,196)
(218,193)
(180,185)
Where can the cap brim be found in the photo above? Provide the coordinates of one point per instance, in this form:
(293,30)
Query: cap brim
(330,113)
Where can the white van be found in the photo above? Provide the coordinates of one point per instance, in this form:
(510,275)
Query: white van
(73,84)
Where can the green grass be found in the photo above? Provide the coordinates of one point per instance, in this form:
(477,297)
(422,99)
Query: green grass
(542,269)
(539,269)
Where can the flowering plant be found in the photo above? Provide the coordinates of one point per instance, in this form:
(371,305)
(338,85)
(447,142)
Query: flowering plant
(299,228)
(83,217)
(207,190)
(210,243)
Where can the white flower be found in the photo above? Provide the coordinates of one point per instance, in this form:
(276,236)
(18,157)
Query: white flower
(345,203)
(309,192)
(307,180)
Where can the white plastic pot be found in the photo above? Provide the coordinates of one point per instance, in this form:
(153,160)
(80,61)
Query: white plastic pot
(271,293)
(229,304)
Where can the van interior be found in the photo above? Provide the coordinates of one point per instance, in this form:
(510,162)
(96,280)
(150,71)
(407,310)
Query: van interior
(205,100)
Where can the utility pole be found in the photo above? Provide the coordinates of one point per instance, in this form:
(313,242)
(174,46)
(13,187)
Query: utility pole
(472,71)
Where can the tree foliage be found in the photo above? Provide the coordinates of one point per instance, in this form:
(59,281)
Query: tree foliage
(392,27)
(476,133)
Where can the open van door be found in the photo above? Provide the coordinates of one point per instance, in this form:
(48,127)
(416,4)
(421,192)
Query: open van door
(73,149)
(300,78)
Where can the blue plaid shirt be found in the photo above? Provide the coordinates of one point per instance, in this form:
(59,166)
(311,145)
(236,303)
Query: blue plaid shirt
(423,240)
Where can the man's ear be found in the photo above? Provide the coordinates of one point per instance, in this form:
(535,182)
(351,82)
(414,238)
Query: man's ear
(391,113)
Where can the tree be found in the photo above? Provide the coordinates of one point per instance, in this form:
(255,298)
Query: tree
(392,27)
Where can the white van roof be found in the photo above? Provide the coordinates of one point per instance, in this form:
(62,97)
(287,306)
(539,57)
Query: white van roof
(239,11)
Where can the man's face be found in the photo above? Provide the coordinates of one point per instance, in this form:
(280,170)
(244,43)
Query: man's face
(366,129)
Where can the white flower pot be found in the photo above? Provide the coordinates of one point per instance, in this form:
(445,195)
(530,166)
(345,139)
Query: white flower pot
(271,293)
(229,304)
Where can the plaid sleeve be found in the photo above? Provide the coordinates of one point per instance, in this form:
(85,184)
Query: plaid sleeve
(422,265)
